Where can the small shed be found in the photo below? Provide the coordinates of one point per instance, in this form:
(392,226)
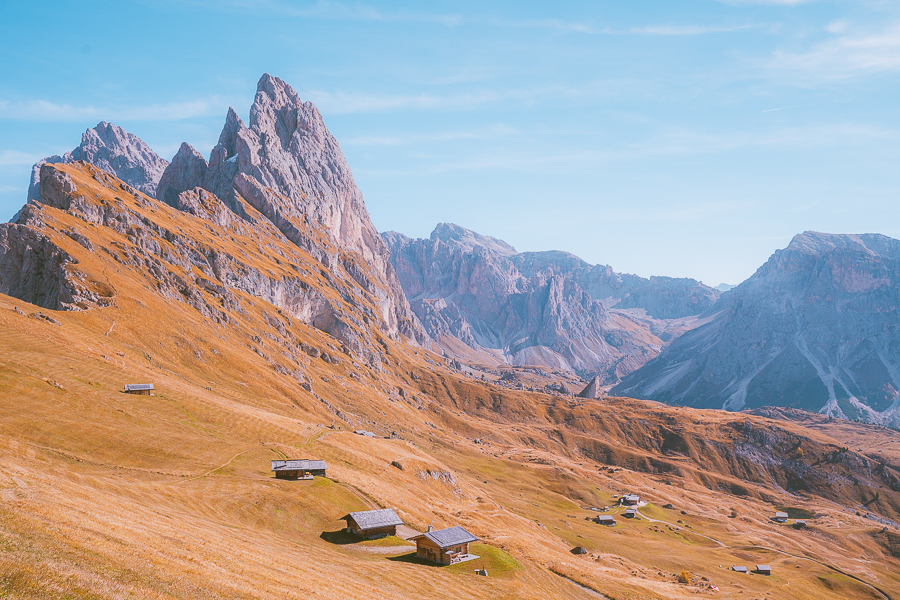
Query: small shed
(298,469)
(763,569)
(740,569)
(630,499)
(630,513)
(799,524)
(142,389)
(372,524)
(781,517)
(445,546)
(608,520)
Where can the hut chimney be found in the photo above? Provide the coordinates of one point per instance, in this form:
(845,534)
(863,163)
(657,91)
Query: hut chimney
(431,528)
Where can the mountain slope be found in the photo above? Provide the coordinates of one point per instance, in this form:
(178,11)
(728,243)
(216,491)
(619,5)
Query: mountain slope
(816,328)
(543,308)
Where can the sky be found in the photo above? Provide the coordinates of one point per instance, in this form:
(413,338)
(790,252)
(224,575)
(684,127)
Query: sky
(686,138)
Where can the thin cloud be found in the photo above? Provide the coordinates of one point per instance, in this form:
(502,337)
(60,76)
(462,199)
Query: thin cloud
(686,29)
(14,157)
(43,110)
(845,56)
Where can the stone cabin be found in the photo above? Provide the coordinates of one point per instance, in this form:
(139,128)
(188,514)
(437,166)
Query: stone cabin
(142,389)
(445,546)
(298,469)
(373,524)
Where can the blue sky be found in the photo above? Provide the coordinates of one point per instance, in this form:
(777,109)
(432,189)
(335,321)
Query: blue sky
(679,137)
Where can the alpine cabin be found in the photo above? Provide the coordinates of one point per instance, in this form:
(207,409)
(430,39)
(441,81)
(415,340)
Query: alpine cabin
(142,389)
(373,524)
(298,469)
(445,546)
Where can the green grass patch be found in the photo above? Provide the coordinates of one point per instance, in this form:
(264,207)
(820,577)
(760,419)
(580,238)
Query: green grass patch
(497,562)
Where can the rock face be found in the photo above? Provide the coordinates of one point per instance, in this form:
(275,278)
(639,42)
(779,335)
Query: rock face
(815,328)
(591,390)
(117,152)
(545,308)
(288,166)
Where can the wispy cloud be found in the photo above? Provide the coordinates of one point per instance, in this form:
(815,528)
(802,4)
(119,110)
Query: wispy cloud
(14,157)
(845,55)
(687,29)
(493,132)
(43,110)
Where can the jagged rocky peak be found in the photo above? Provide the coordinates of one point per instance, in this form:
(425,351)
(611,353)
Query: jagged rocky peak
(468,240)
(186,172)
(119,153)
(814,328)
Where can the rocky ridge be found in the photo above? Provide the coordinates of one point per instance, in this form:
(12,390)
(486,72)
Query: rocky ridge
(288,166)
(814,328)
(114,150)
(542,308)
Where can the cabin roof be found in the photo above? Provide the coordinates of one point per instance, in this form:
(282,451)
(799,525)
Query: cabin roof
(632,498)
(444,538)
(605,518)
(373,519)
(763,568)
(781,515)
(138,387)
(739,569)
(304,464)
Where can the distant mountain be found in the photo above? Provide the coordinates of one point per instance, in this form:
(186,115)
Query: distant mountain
(817,327)
(114,150)
(480,299)
(724,287)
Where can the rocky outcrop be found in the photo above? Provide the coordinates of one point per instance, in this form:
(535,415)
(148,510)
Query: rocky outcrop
(545,308)
(592,390)
(288,166)
(814,328)
(186,172)
(117,152)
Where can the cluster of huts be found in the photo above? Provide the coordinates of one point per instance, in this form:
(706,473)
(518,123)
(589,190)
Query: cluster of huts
(444,546)
(760,570)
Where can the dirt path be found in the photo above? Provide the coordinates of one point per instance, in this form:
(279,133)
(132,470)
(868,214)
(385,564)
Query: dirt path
(214,470)
(690,530)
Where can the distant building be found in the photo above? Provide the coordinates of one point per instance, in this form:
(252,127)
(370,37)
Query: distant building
(630,499)
(605,520)
(298,469)
(799,524)
(740,569)
(781,517)
(445,546)
(630,513)
(763,569)
(371,524)
(142,389)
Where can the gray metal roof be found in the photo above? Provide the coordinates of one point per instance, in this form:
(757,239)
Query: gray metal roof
(739,569)
(763,568)
(138,387)
(632,498)
(298,465)
(444,538)
(781,515)
(372,519)
(601,518)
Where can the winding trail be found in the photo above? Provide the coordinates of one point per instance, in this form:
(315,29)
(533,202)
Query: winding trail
(214,470)
(690,530)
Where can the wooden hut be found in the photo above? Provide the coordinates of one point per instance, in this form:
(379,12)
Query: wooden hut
(445,546)
(142,389)
(630,499)
(740,570)
(605,520)
(630,513)
(780,517)
(763,569)
(372,524)
(298,469)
